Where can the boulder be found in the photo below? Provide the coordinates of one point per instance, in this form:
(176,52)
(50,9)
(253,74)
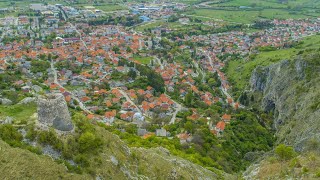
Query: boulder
(5,101)
(27,100)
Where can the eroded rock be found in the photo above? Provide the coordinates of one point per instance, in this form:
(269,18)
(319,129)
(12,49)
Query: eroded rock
(53,112)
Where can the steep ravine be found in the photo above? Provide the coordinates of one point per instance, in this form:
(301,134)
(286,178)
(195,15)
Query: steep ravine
(290,90)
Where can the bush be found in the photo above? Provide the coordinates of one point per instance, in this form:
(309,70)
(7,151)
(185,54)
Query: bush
(10,134)
(284,152)
(82,160)
(318,173)
(50,138)
(89,142)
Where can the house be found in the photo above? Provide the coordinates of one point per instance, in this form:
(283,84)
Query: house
(219,128)
(161,132)
(138,119)
(86,99)
(226,118)
(141,132)
(146,136)
(90,116)
(184,138)
(109,116)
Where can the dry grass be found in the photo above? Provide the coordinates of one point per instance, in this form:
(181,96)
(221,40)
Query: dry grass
(305,166)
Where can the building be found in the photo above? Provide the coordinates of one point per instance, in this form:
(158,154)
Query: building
(161,132)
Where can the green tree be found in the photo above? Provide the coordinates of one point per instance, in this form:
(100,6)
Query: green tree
(188,99)
(132,74)
(89,142)
(129,50)
(116,49)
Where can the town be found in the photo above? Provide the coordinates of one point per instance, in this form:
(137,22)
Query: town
(156,81)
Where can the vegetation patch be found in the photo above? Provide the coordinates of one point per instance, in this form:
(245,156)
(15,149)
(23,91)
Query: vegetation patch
(239,70)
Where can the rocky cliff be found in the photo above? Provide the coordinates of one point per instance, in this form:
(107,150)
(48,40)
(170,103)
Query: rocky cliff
(290,90)
(53,112)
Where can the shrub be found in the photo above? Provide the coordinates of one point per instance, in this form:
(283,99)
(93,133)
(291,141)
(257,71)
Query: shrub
(9,134)
(82,160)
(50,138)
(284,152)
(304,170)
(89,142)
(318,173)
(295,163)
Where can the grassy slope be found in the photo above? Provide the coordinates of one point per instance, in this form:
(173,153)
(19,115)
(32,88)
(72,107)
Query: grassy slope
(131,163)
(261,9)
(19,112)
(16,163)
(304,166)
(143,60)
(239,71)
(245,16)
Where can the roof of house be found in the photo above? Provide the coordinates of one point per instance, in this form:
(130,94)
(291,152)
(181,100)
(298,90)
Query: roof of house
(226,117)
(221,125)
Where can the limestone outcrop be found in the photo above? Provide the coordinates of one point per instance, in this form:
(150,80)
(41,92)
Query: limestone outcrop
(53,112)
(5,101)
(290,89)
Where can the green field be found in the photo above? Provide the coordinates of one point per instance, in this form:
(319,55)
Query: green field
(269,3)
(239,71)
(246,16)
(143,60)
(18,112)
(152,25)
(231,10)
(110,7)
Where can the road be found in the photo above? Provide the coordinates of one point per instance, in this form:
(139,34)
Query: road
(80,36)
(174,115)
(222,89)
(129,100)
(159,62)
(55,74)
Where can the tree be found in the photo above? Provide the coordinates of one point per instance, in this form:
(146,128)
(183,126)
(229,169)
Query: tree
(132,74)
(129,50)
(116,49)
(189,126)
(284,152)
(188,98)
(211,82)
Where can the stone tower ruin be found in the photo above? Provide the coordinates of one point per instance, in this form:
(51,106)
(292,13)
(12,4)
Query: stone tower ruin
(53,112)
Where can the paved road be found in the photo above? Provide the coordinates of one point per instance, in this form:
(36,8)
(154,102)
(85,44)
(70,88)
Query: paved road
(128,99)
(174,115)
(159,62)
(222,89)
(81,105)
(84,43)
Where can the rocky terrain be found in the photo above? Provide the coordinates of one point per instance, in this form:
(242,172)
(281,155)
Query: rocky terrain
(290,89)
(116,161)
(53,112)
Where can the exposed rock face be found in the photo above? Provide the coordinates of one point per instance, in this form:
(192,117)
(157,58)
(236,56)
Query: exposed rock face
(291,96)
(27,100)
(5,101)
(53,112)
